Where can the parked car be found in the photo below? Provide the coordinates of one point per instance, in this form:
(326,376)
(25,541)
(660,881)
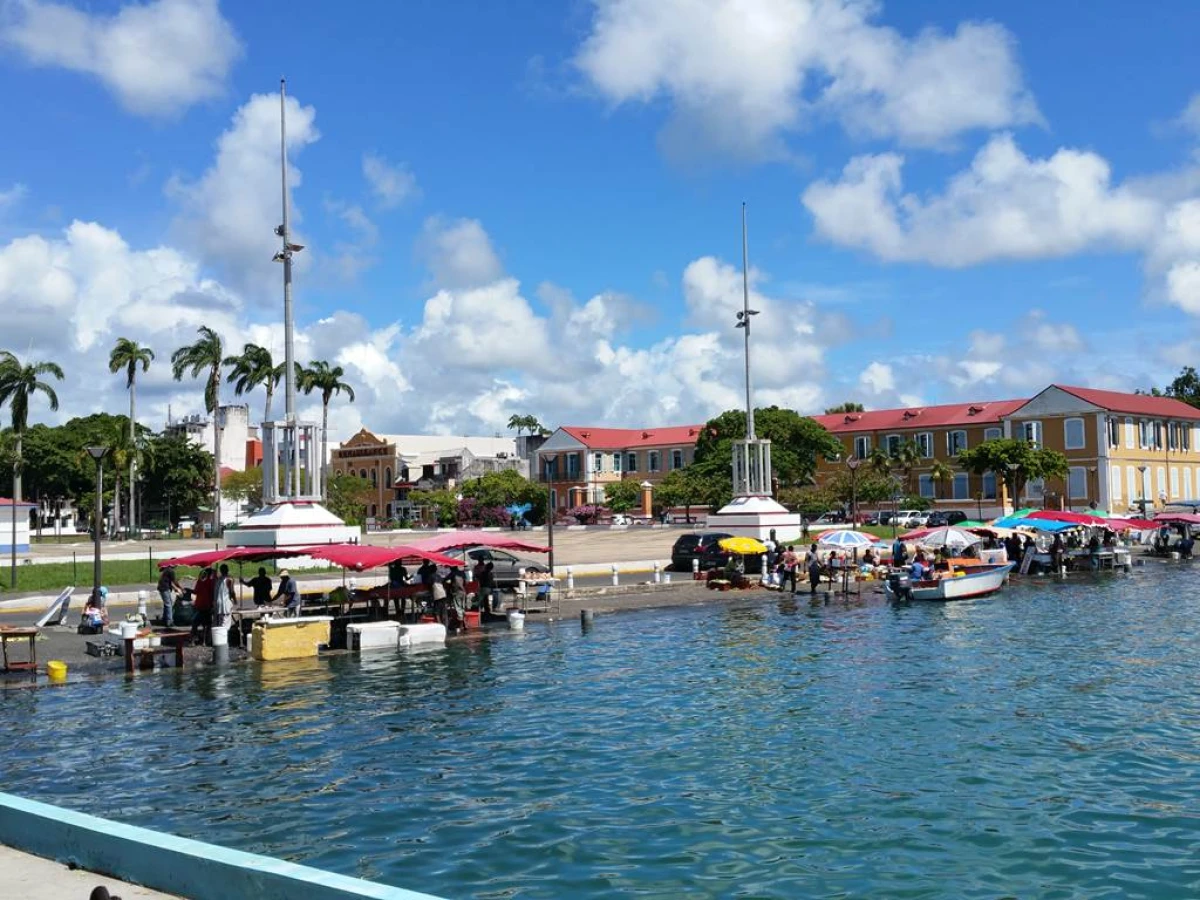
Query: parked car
(918,519)
(904,518)
(883,517)
(941,518)
(507,569)
(695,545)
(833,517)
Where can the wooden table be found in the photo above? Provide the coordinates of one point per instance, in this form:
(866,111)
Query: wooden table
(10,633)
(172,642)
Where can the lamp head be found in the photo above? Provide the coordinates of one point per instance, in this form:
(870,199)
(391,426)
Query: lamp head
(97,453)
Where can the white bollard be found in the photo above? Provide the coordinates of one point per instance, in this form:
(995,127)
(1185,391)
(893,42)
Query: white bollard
(762,572)
(616,579)
(667,577)
(657,574)
(695,569)
(142,611)
(570,579)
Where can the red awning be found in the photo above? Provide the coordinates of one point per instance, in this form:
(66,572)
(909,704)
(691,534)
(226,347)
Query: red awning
(1176,519)
(359,556)
(459,540)
(1116,523)
(916,534)
(226,554)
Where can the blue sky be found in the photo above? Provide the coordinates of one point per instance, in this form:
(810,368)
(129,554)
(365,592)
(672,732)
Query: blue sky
(533,207)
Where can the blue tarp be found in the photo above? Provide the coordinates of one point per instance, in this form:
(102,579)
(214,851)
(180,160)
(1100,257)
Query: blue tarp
(1040,524)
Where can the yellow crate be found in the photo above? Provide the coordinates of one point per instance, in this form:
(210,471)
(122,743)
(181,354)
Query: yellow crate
(289,638)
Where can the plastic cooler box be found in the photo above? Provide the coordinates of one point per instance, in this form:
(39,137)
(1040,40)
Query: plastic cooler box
(295,638)
(373,635)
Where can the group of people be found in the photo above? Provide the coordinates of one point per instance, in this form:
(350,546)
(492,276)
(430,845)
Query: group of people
(787,567)
(213,597)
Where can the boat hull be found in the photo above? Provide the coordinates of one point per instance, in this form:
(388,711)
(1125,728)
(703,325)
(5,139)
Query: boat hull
(977,582)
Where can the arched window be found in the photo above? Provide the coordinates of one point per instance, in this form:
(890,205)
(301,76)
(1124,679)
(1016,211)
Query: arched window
(387,476)
(374,478)
(373,508)
(362,473)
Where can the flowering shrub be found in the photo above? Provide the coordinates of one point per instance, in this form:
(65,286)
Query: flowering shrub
(469,510)
(587,514)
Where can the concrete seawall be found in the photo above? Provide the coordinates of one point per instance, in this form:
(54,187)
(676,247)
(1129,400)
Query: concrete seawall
(171,864)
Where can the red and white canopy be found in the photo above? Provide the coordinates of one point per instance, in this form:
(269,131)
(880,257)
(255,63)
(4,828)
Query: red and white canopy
(459,540)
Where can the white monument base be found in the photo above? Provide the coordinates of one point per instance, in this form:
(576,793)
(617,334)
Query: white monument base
(756,516)
(292,523)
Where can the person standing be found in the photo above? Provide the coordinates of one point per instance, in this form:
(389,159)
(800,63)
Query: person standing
(813,563)
(289,592)
(789,568)
(168,587)
(899,553)
(223,599)
(202,602)
(261,585)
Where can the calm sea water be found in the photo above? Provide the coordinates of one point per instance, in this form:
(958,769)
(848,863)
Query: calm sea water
(1043,743)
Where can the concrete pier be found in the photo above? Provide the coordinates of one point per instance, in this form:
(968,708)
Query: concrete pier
(34,878)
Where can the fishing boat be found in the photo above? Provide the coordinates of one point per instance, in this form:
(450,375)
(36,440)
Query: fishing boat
(963,584)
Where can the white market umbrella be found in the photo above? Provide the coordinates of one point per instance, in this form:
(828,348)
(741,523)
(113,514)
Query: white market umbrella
(845,539)
(949,537)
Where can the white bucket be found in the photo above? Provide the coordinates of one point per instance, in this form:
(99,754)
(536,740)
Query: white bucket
(129,630)
(155,640)
(220,636)
(516,620)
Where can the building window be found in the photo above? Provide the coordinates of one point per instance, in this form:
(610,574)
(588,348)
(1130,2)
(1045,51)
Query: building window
(956,442)
(597,462)
(374,478)
(1128,434)
(892,442)
(1187,483)
(1077,483)
(1135,486)
(925,444)
(362,473)
(654,465)
(1114,431)
(1172,436)
(630,462)
(1115,478)
(573,465)
(925,485)
(989,485)
(617,463)
(676,459)
(1185,437)
(1035,489)
(962,486)
(1174,481)
(1032,433)
(1162,483)
(1158,435)
(387,476)
(1073,434)
(550,469)
(1144,439)
(992,434)
(862,447)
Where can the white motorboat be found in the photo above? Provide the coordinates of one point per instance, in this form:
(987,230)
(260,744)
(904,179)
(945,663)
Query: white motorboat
(963,584)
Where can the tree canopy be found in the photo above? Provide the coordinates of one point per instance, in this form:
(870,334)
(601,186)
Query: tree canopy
(847,407)
(1015,461)
(1185,387)
(622,496)
(797,443)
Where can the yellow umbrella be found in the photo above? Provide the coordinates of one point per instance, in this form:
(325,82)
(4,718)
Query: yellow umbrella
(743,546)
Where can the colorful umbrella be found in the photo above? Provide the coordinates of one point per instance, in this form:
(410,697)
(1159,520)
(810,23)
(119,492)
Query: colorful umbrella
(846,539)
(951,537)
(743,546)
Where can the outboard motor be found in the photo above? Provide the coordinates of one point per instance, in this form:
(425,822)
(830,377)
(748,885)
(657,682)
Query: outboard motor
(899,586)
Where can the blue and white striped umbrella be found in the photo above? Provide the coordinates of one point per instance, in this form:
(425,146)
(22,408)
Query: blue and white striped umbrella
(846,539)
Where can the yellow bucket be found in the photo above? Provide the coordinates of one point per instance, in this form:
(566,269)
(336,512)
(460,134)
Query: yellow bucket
(57,670)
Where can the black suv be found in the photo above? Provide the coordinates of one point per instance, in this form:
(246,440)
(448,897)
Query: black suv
(948,517)
(703,545)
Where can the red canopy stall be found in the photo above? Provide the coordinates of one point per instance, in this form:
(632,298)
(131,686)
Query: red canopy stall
(458,540)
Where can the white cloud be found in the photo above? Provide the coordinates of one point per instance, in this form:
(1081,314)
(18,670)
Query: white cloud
(228,216)
(1005,206)
(459,253)
(1190,117)
(12,196)
(158,58)
(740,74)
(877,378)
(1052,337)
(391,184)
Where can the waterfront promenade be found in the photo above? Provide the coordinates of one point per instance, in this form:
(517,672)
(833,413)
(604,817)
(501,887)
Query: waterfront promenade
(34,878)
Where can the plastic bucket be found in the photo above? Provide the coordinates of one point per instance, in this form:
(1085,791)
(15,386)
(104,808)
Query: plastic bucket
(220,636)
(129,630)
(516,620)
(57,670)
(471,618)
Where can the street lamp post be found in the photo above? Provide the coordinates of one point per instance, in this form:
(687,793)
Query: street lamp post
(979,504)
(1094,503)
(1142,502)
(98,454)
(852,464)
(1012,477)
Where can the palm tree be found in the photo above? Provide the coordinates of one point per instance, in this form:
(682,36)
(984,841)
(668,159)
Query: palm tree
(128,355)
(205,357)
(320,376)
(252,368)
(941,473)
(880,461)
(517,422)
(907,457)
(18,385)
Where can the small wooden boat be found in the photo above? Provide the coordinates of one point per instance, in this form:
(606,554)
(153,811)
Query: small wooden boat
(963,584)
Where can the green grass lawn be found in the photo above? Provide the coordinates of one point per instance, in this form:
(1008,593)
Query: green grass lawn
(115,573)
